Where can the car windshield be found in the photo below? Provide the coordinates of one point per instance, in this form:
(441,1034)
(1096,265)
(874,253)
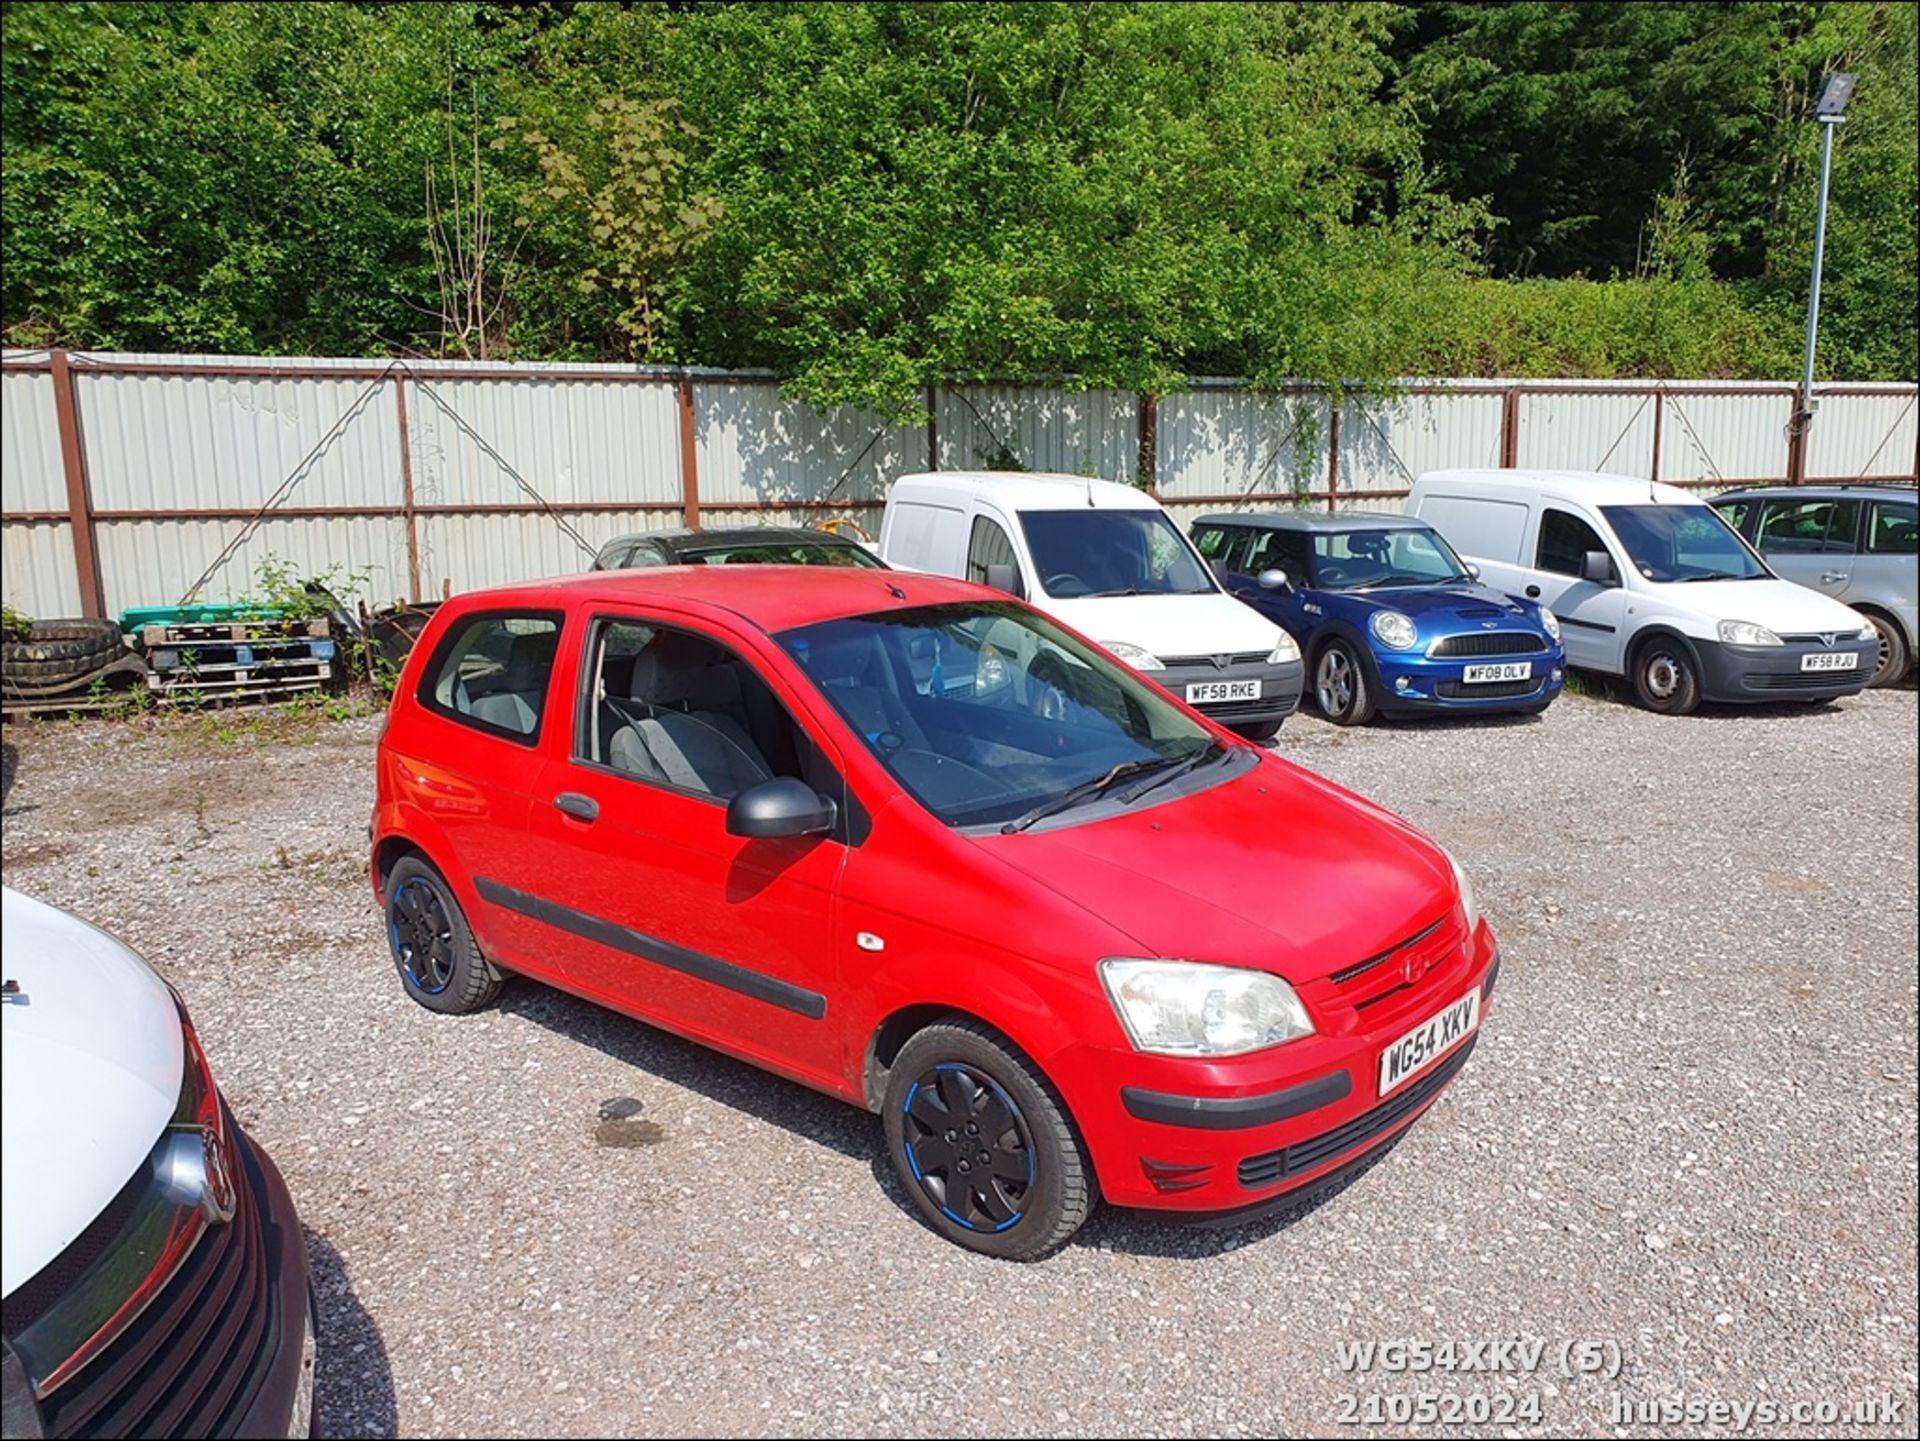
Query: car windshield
(1086,552)
(1361,559)
(992,716)
(1682,543)
(786,552)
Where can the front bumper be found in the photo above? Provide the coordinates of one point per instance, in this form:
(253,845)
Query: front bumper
(1755,674)
(1409,681)
(1279,689)
(1200,1137)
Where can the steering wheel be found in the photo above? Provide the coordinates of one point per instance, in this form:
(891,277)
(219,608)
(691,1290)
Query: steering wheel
(1056,584)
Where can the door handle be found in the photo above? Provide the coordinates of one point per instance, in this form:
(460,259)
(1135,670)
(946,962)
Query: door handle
(584,808)
(1833,577)
(1533,592)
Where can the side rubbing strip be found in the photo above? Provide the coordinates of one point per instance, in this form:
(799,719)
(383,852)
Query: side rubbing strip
(773,991)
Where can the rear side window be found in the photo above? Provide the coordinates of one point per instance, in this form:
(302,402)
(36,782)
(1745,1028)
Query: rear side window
(1565,540)
(491,672)
(1893,528)
(987,546)
(1736,513)
(1809,527)
(1492,530)
(1275,550)
(613,557)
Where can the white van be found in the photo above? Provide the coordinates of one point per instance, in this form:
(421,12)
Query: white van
(1108,561)
(1649,583)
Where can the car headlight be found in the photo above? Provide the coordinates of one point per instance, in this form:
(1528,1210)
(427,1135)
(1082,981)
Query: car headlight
(1745,632)
(1469,902)
(1287,650)
(1550,622)
(1187,1008)
(1393,630)
(1136,656)
(1869,631)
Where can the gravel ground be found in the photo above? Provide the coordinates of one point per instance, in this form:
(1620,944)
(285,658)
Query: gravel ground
(1688,1131)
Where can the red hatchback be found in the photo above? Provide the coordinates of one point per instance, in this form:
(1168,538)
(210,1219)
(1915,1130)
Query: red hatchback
(910,842)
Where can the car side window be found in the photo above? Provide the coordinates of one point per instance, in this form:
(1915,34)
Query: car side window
(1564,542)
(1893,528)
(679,710)
(643,556)
(614,557)
(1277,550)
(1809,527)
(988,545)
(491,671)
(1736,513)
(1211,541)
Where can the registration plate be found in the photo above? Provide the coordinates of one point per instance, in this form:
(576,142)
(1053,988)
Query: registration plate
(1429,1041)
(1202,692)
(1830,660)
(1500,670)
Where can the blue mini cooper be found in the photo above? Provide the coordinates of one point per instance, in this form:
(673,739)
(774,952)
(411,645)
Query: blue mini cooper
(1388,618)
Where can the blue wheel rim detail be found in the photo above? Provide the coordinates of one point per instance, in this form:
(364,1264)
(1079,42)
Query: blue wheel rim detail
(968,1147)
(421,934)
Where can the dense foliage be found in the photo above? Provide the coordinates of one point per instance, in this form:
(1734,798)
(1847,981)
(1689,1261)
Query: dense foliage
(870,197)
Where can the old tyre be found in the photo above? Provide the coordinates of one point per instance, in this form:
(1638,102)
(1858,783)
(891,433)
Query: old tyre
(433,948)
(983,1145)
(77,645)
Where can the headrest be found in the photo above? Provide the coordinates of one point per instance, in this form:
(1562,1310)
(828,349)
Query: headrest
(848,658)
(679,671)
(531,659)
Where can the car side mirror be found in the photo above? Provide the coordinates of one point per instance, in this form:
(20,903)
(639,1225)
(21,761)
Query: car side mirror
(780,807)
(1274,580)
(1006,578)
(1597,566)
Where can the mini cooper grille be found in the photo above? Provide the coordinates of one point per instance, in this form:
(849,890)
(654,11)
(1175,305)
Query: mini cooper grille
(1486,690)
(1274,1167)
(191,1363)
(1491,642)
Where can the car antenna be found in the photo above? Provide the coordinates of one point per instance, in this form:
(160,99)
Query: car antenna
(898,594)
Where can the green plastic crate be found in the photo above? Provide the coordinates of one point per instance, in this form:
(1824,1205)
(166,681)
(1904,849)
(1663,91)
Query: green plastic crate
(214,613)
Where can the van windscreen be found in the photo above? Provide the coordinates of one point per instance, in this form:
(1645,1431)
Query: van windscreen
(1086,552)
(1682,543)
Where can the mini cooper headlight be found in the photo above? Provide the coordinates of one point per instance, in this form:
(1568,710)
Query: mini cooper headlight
(1469,902)
(1550,622)
(1138,657)
(1745,632)
(1187,1008)
(1287,650)
(1393,630)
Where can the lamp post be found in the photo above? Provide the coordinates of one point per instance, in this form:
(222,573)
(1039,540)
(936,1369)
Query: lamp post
(1830,110)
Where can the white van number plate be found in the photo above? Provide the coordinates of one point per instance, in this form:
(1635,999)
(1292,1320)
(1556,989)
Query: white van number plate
(1504,670)
(1829,660)
(1203,691)
(1429,1041)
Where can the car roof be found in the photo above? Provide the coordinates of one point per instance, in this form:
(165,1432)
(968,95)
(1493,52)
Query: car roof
(1340,522)
(1589,487)
(1032,490)
(1822,492)
(772,597)
(683,539)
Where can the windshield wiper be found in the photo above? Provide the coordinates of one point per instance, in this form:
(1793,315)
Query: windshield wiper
(1212,751)
(1130,590)
(1086,790)
(1712,575)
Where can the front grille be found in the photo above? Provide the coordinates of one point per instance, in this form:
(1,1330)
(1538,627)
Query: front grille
(1226,710)
(1486,689)
(191,1362)
(59,1276)
(1205,662)
(1819,638)
(1493,642)
(1806,680)
(1360,968)
(1270,1169)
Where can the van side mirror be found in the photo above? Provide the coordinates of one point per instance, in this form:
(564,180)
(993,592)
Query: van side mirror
(780,807)
(1597,566)
(1275,580)
(1006,578)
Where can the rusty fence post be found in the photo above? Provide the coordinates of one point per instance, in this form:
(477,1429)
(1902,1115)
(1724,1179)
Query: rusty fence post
(86,550)
(933,430)
(689,458)
(1797,427)
(1148,466)
(1333,458)
(1659,414)
(1510,429)
(406,490)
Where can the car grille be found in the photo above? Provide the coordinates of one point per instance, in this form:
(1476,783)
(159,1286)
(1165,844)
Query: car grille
(1486,690)
(1360,968)
(1205,662)
(1808,680)
(1226,710)
(191,1362)
(1273,1167)
(1495,642)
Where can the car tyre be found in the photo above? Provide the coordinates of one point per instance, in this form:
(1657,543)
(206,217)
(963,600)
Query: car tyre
(998,1101)
(1259,732)
(1894,655)
(1665,678)
(1340,687)
(433,947)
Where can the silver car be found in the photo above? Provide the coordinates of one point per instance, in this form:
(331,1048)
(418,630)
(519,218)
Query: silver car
(1857,543)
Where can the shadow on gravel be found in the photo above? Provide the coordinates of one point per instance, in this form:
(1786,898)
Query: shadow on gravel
(9,763)
(1612,690)
(734,1084)
(353,1381)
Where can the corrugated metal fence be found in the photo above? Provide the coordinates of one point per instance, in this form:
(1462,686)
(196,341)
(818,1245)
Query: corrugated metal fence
(127,476)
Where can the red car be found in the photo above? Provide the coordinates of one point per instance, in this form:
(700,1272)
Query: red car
(910,842)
